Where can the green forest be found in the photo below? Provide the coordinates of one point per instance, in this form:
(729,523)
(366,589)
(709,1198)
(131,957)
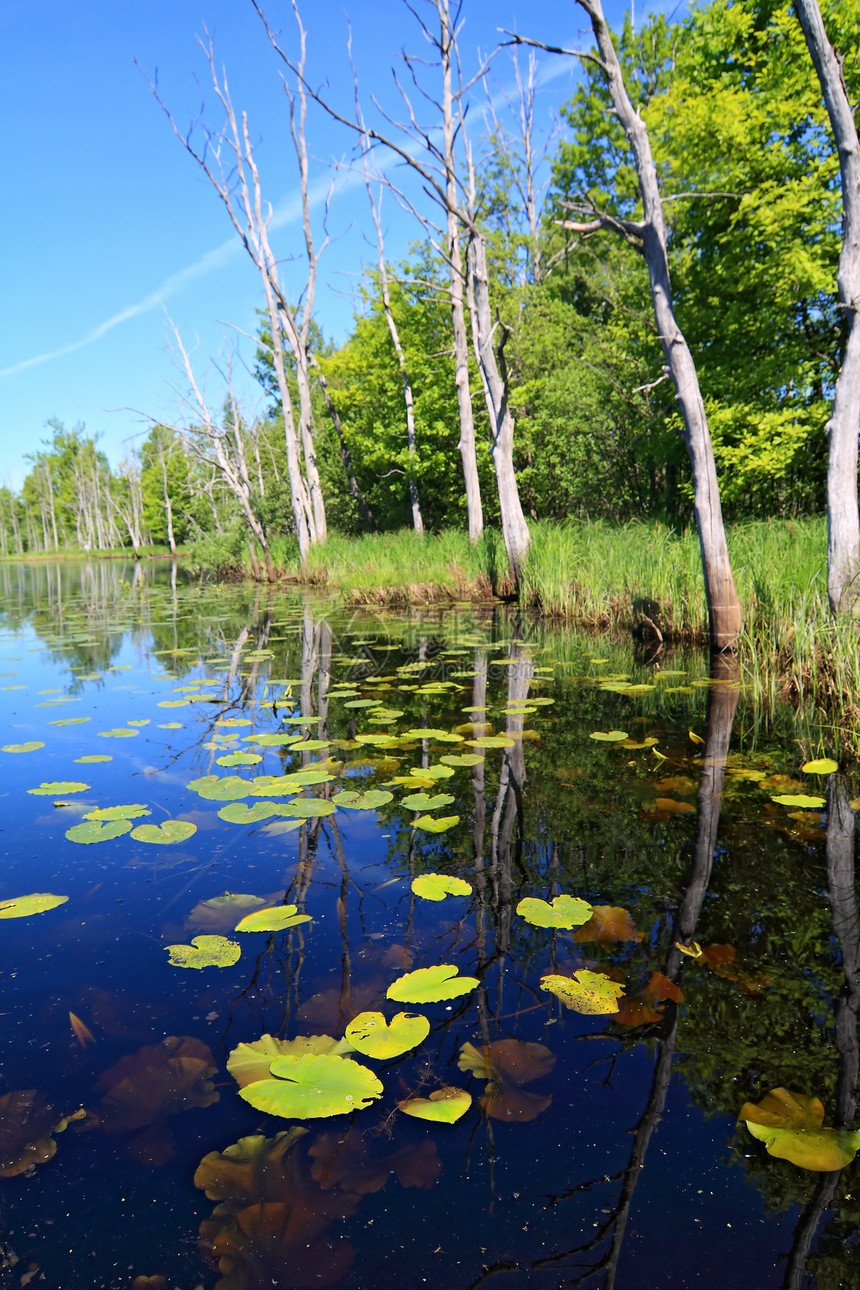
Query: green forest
(542,236)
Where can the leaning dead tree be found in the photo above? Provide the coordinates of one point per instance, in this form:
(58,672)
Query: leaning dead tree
(226,158)
(843,518)
(648,236)
(431,153)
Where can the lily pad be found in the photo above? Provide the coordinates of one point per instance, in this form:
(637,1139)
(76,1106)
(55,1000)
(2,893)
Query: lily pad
(430,985)
(429,732)
(205,951)
(436,886)
(821,766)
(32,746)
(440,825)
(98,830)
(372,1036)
(444,1106)
(308,808)
(423,802)
(463,759)
(38,902)
(369,801)
(273,919)
(59,787)
(800,799)
(791,1125)
(563,911)
(491,741)
(131,812)
(93,758)
(608,736)
(305,1088)
(122,732)
(589,992)
(248,1063)
(273,741)
(239,813)
(218,788)
(239,759)
(162,834)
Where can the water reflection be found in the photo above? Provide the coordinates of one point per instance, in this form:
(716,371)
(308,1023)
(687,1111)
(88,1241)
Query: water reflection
(554,769)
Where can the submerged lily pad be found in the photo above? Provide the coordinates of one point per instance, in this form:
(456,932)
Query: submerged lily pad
(444,1106)
(372,1036)
(589,992)
(273,919)
(563,911)
(167,832)
(98,830)
(205,951)
(436,886)
(430,985)
(310,1087)
(38,902)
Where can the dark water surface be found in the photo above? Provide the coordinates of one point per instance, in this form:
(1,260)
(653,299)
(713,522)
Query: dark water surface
(598,1149)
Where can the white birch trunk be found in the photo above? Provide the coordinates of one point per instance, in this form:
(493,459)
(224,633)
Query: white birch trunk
(843,518)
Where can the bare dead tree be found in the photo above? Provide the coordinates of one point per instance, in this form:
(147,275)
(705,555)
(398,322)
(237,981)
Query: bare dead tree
(214,446)
(436,164)
(227,159)
(843,516)
(648,236)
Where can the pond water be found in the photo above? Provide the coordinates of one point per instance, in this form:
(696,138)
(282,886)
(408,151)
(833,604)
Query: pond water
(592,1148)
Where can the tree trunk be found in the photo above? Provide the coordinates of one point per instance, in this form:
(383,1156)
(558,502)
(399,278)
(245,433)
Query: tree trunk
(515,530)
(724,609)
(843,518)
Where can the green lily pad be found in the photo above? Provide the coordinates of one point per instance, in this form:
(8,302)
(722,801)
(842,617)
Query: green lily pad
(308,808)
(309,1087)
(429,732)
(248,1063)
(589,992)
(239,759)
(364,703)
(239,813)
(122,732)
(372,1036)
(440,825)
(369,801)
(608,736)
(92,758)
(563,911)
(444,1106)
(800,799)
(33,746)
(311,745)
(143,722)
(69,721)
(791,1125)
(131,812)
(218,788)
(273,919)
(463,759)
(377,741)
(205,951)
(273,741)
(491,741)
(169,831)
(821,766)
(274,785)
(423,802)
(436,886)
(98,830)
(430,985)
(58,787)
(36,903)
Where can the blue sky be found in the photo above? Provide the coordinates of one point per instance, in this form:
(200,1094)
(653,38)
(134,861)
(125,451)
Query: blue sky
(107,226)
